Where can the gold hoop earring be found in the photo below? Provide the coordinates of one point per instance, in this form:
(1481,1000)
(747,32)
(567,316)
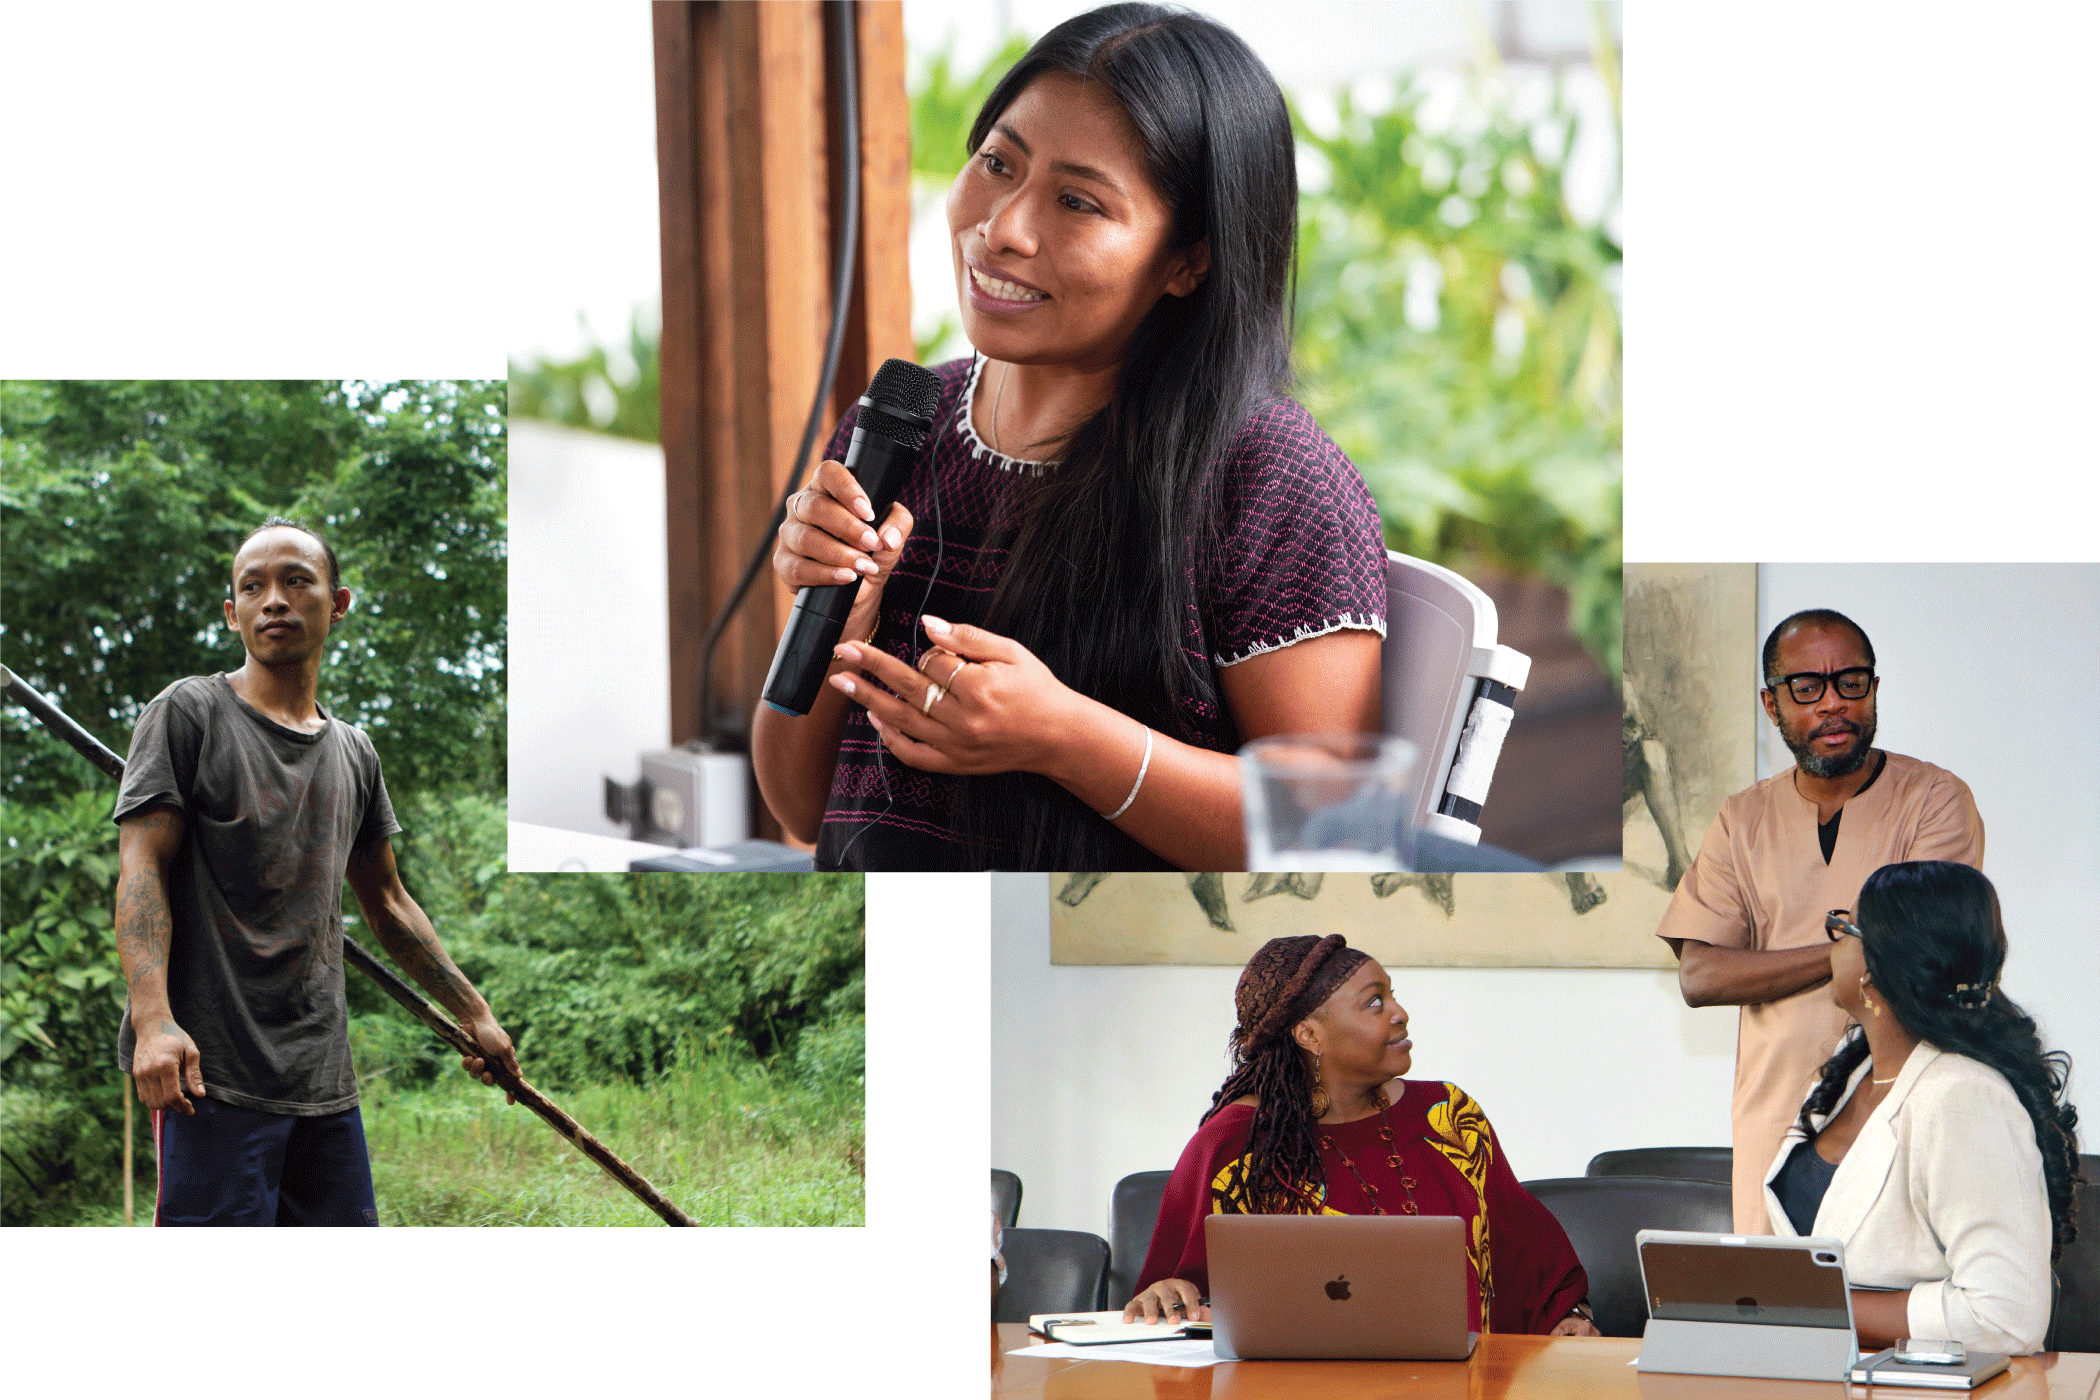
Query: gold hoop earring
(1319,1090)
(1864,997)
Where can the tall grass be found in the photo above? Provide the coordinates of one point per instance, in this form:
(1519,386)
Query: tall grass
(725,1139)
(728,1142)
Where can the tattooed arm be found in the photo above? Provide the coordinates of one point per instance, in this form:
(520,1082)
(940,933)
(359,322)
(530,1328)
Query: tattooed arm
(164,1059)
(404,930)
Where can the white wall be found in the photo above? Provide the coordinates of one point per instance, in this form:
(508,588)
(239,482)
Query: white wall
(1102,1071)
(1992,671)
(590,673)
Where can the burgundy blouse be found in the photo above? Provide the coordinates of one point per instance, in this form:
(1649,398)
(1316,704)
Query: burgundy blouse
(1304,555)
(1518,1256)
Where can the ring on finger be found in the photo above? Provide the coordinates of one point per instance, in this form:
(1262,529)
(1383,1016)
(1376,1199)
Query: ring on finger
(933,697)
(926,658)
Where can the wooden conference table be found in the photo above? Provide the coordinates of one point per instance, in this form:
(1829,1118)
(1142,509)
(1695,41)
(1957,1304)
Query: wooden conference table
(1502,1368)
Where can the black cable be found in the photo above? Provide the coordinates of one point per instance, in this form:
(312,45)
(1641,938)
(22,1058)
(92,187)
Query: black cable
(841,296)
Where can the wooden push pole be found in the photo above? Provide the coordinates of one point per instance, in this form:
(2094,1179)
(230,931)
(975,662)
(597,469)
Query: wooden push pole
(127,1148)
(99,754)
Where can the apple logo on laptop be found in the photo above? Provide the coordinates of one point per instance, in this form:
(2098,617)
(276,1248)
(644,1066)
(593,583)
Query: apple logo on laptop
(1339,1289)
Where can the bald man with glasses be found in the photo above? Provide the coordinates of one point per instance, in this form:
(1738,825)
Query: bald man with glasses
(1747,920)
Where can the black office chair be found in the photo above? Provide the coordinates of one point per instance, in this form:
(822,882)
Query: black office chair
(1601,1215)
(1051,1271)
(1683,1163)
(1132,1212)
(2075,1325)
(1006,1197)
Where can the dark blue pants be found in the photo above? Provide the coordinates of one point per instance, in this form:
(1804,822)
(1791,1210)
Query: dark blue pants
(238,1166)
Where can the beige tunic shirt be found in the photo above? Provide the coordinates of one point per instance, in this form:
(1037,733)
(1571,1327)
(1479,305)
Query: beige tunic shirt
(1760,882)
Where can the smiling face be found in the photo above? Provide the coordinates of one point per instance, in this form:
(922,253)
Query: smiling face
(1359,1032)
(281,603)
(1830,736)
(1061,244)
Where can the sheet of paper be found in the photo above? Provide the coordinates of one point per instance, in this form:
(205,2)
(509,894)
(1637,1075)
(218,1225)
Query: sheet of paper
(1183,1353)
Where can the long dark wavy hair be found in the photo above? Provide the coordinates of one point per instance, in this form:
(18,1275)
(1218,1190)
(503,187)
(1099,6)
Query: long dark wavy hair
(1935,944)
(1101,581)
(1284,982)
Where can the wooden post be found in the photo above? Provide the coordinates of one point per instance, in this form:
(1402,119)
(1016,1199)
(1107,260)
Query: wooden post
(748,191)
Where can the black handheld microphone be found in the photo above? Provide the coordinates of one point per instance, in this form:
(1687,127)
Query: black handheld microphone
(896,418)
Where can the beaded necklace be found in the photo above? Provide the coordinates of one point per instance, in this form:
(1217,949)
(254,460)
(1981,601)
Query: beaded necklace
(1392,1157)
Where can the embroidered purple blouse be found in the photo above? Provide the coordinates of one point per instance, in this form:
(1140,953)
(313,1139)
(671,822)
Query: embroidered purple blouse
(1304,556)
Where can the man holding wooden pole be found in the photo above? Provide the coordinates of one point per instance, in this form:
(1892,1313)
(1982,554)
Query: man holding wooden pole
(244,806)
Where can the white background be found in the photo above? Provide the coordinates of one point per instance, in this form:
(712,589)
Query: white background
(1859,321)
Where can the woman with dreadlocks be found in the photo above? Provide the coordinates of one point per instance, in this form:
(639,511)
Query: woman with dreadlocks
(1315,1120)
(1936,1143)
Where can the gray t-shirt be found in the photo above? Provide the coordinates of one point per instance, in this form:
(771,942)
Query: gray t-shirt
(270,817)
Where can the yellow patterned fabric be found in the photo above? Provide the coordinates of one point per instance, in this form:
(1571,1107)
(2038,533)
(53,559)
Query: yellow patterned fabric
(1462,1136)
(1228,1192)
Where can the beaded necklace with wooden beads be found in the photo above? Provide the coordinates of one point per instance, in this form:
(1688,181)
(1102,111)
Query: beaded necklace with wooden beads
(1392,1157)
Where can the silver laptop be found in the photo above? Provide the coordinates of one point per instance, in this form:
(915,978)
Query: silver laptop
(1329,1287)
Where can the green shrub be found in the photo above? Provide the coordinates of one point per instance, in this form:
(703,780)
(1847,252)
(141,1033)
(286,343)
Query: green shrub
(61,1000)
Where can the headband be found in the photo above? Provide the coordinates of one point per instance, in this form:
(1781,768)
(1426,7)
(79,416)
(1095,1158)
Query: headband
(1286,980)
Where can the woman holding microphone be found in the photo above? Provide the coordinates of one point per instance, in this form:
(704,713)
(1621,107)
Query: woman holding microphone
(1123,553)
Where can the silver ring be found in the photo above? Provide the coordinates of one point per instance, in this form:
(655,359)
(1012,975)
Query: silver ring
(933,697)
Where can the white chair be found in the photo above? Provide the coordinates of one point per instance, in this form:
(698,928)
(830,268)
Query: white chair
(1450,690)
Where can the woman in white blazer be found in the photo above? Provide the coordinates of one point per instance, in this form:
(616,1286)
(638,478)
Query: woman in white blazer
(1936,1143)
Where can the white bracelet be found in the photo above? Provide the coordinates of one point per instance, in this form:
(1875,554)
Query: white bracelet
(1140,779)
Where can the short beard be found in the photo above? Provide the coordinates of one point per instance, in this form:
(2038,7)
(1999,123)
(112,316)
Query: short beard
(1834,765)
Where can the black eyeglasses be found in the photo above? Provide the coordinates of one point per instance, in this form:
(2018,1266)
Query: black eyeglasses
(1806,687)
(1838,923)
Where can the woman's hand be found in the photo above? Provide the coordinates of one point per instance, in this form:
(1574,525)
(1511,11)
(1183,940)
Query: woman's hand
(978,703)
(1574,1325)
(1169,1300)
(830,536)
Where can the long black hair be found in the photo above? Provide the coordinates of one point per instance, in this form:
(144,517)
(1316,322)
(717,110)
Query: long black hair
(1101,580)
(1285,981)
(1935,944)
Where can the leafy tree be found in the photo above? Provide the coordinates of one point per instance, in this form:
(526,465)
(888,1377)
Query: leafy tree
(121,506)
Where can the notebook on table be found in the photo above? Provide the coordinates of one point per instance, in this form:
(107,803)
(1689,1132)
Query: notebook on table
(1973,1370)
(1336,1287)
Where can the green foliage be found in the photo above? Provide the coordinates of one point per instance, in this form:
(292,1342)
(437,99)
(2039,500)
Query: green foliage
(603,390)
(121,505)
(1458,336)
(605,976)
(61,998)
